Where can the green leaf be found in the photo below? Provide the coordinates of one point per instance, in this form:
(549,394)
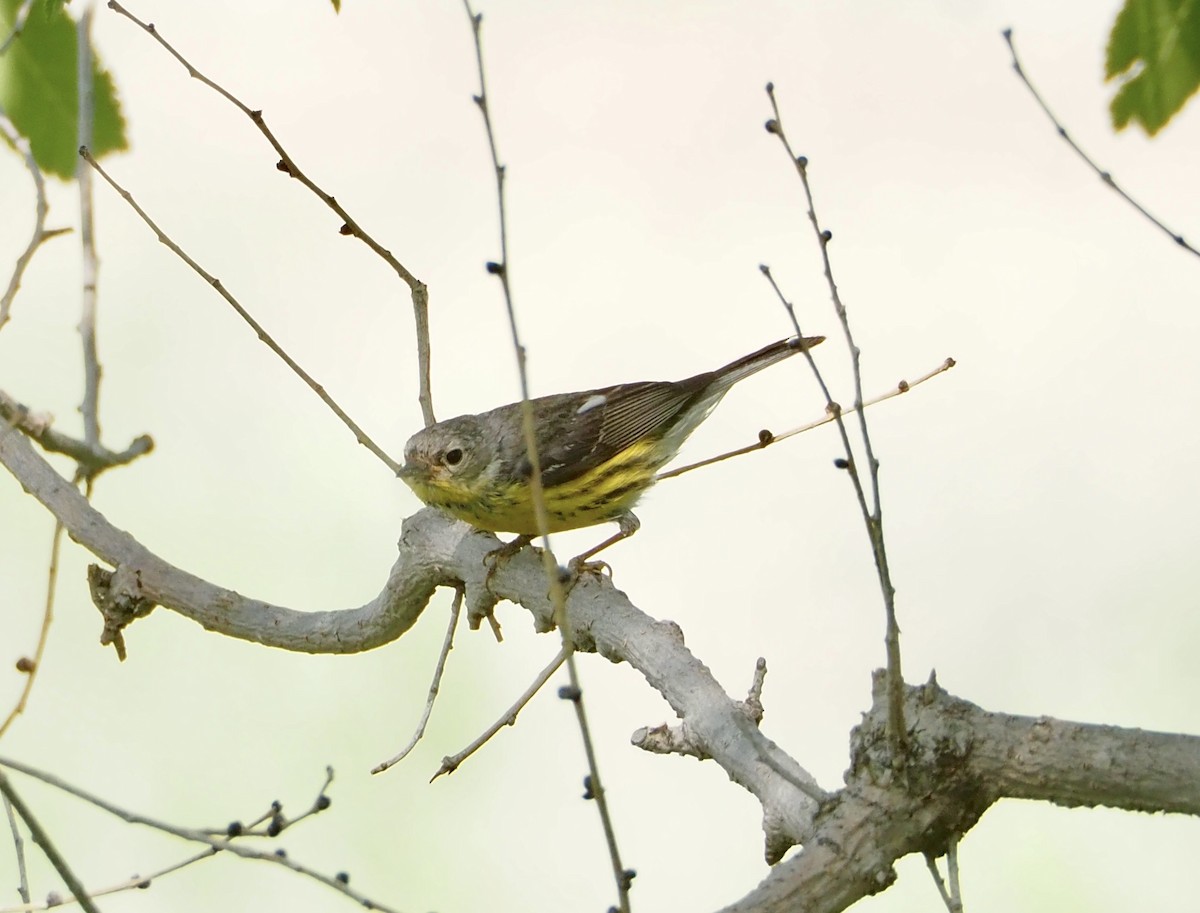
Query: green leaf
(40,95)
(1160,39)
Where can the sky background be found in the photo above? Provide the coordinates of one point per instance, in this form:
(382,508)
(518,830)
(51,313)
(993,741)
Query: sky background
(1039,499)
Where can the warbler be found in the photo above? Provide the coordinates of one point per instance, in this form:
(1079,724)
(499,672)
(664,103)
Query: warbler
(599,450)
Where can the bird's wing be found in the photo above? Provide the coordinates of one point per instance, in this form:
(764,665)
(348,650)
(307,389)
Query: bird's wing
(582,431)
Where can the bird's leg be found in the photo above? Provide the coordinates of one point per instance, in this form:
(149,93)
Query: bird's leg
(628,523)
(493,560)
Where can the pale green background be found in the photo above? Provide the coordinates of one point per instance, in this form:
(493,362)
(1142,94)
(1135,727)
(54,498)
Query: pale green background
(1040,499)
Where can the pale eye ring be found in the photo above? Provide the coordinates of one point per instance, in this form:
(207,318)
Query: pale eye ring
(453,456)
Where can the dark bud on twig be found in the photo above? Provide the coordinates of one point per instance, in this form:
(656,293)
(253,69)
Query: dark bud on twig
(764,269)
(570,693)
(281,165)
(342,877)
(25,664)
(281,853)
(234,829)
(588,792)
(765,437)
(276,826)
(478,99)
(772,125)
(826,236)
(276,806)
(142,885)
(323,802)
(770,87)
(802,161)
(494,268)
(345,229)
(841,463)
(627,878)
(902,386)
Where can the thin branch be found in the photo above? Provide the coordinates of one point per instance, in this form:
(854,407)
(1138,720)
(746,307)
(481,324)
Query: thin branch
(558,593)
(21,145)
(417,289)
(952,872)
(361,436)
(447,646)
(595,789)
(18,851)
(91,460)
(766,438)
(42,839)
(501,271)
(227,842)
(450,763)
(135,882)
(32,667)
(938,881)
(1104,176)
(873,517)
(90,408)
(18,26)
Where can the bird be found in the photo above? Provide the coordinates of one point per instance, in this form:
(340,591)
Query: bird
(598,450)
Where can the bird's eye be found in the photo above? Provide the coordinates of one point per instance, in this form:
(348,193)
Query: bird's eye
(453,456)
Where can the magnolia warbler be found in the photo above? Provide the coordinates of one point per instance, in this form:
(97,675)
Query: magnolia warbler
(599,450)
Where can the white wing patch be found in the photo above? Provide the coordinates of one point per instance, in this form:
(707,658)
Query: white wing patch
(592,402)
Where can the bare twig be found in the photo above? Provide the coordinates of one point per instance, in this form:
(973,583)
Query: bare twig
(417,289)
(595,790)
(1104,176)
(90,408)
(134,882)
(42,839)
(767,438)
(447,646)
(361,436)
(227,840)
(558,594)
(873,516)
(951,896)
(91,460)
(450,763)
(32,666)
(18,851)
(17,27)
(41,207)
(939,883)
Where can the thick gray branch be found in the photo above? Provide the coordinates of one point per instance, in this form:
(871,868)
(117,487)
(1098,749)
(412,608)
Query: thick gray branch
(437,551)
(962,759)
